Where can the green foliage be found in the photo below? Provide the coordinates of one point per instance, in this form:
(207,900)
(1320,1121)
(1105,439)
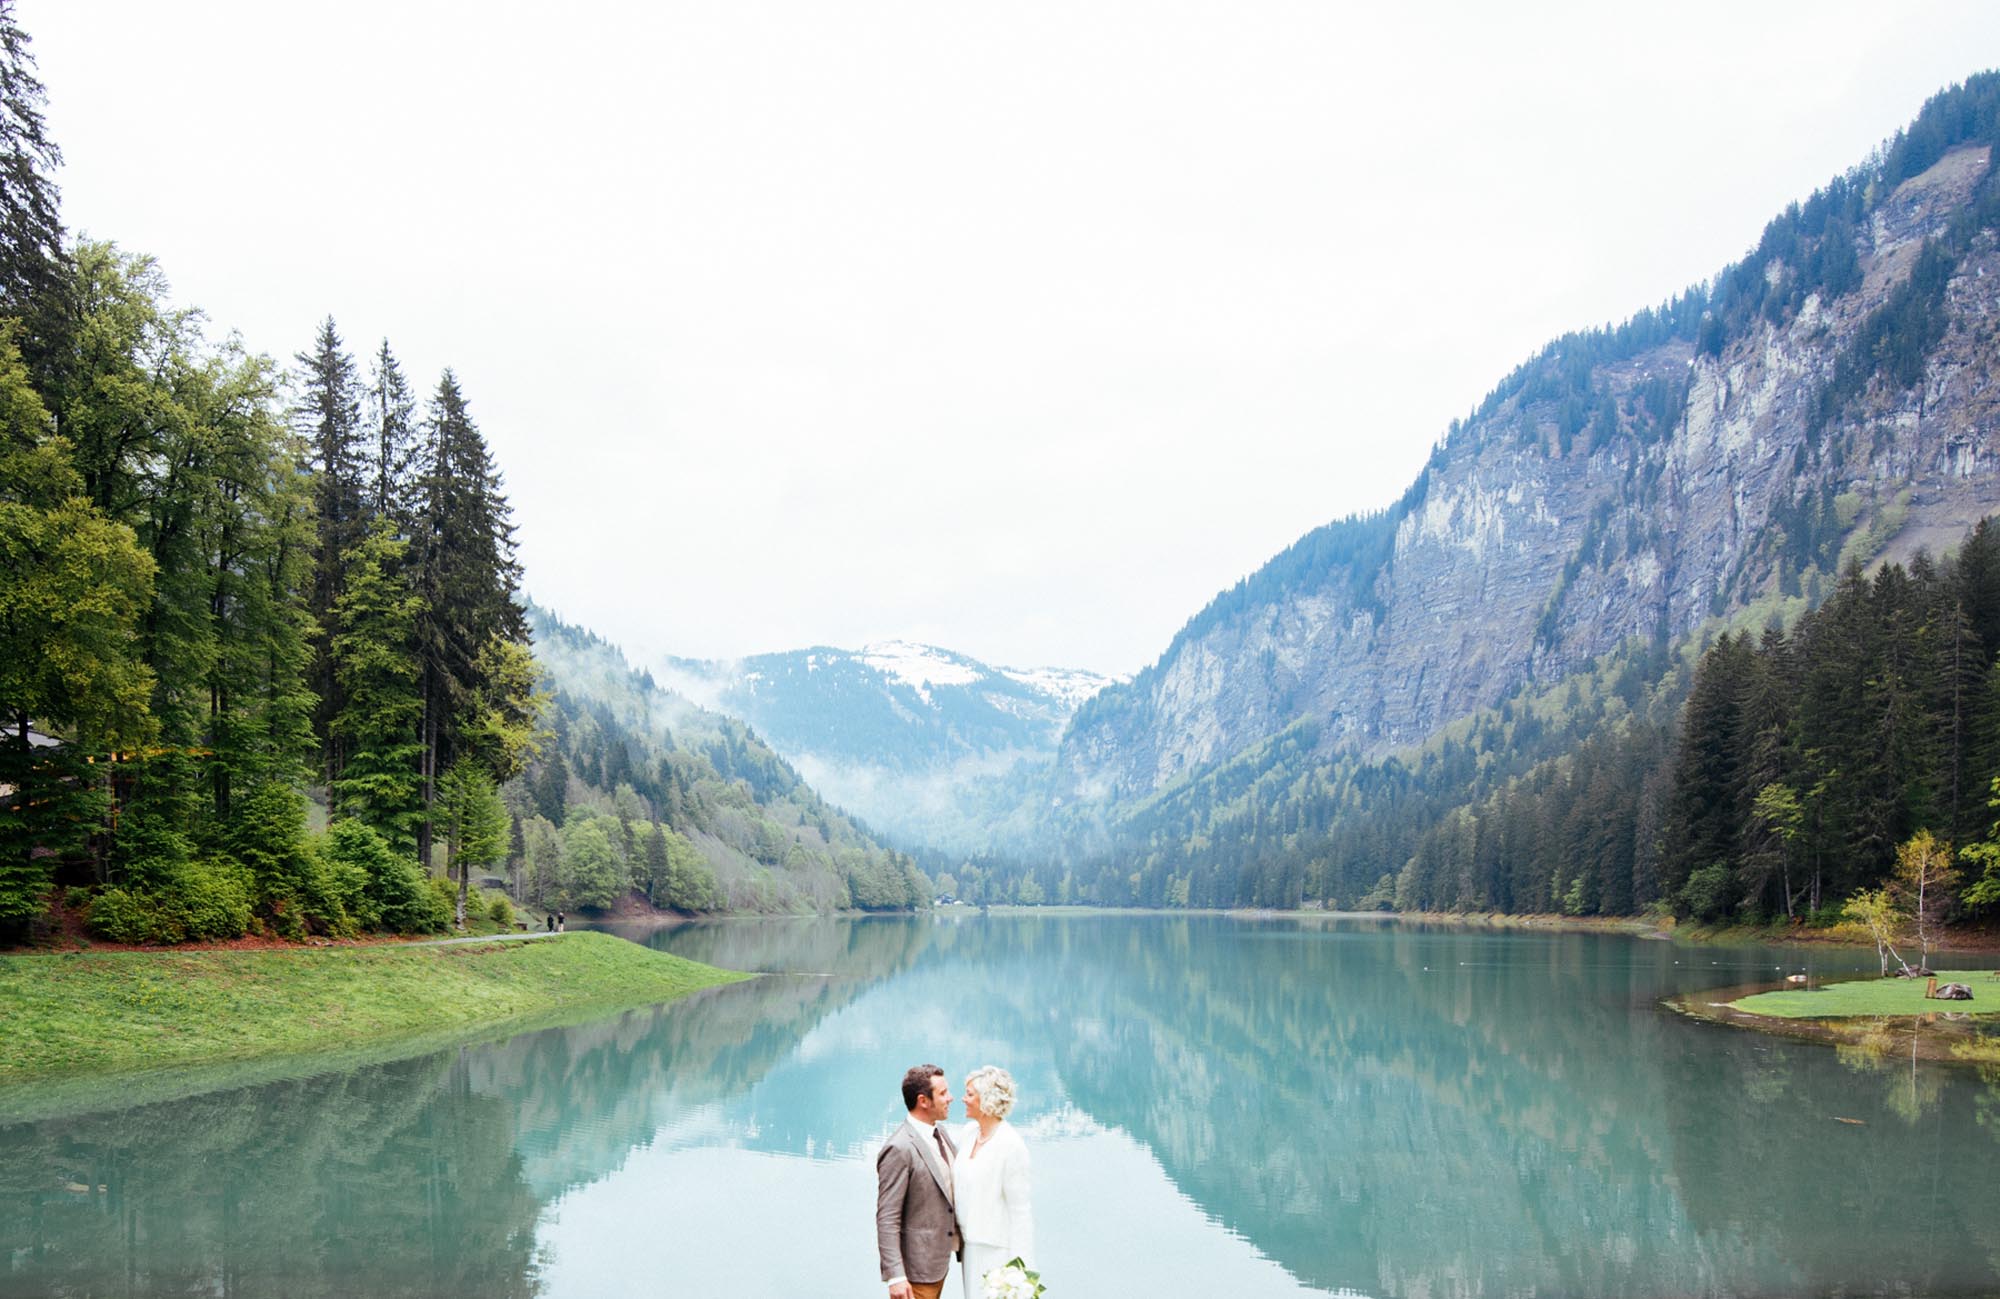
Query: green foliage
(59,805)
(208,899)
(1382,897)
(299,890)
(476,681)
(593,875)
(394,896)
(327,417)
(219,594)
(373,662)
(500,911)
(1877,911)
(75,585)
(31,234)
(476,824)
(1709,893)
(121,916)
(676,876)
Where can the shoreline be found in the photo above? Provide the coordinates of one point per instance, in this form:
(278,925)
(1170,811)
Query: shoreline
(1941,1036)
(84,1017)
(1962,939)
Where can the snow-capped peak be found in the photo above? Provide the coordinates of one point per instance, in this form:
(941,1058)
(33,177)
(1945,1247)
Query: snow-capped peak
(1070,687)
(918,666)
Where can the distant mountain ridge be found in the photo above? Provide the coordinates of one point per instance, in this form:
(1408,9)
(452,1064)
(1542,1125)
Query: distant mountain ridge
(899,733)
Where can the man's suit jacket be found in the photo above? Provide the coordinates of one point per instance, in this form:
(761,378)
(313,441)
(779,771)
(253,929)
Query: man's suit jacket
(916,1228)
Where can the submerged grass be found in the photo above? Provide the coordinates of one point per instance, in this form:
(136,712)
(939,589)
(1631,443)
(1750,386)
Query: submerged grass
(1875,997)
(105,1012)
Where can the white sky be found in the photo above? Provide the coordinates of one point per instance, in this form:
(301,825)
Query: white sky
(1019,328)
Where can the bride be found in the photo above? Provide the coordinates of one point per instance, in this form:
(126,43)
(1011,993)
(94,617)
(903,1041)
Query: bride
(991,1181)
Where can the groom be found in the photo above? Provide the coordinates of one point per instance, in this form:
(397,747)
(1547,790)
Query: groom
(916,1227)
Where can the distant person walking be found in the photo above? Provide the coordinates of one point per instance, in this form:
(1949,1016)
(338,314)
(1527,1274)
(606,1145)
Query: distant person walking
(561,920)
(552,922)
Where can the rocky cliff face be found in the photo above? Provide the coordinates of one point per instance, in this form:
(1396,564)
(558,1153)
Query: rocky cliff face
(1616,487)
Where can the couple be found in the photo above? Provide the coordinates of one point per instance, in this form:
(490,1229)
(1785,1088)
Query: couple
(939,1194)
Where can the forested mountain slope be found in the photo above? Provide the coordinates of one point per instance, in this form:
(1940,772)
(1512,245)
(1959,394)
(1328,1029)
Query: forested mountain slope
(696,812)
(1549,578)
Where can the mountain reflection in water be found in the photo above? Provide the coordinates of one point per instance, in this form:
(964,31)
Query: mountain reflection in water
(1262,1106)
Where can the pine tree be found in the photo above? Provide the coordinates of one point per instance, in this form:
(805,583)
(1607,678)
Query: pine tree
(392,424)
(466,577)
(375,667)
(659,866)
(1702,821)
(1955,671)
(31,236)
(1976,577)
(551,786)
(328,417)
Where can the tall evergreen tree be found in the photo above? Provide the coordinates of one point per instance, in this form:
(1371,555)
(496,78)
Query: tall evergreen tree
(1703,820)
(551,786)
(466,577)
(373,646)
(393,487)
(31,236)
(328,416)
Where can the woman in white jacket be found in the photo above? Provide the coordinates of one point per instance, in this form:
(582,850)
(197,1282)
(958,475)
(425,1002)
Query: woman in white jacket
(990,1181)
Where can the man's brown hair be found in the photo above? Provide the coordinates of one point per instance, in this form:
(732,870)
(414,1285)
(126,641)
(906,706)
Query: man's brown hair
(917,1082)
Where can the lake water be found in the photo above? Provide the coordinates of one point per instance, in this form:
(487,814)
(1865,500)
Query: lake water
(1214,1105)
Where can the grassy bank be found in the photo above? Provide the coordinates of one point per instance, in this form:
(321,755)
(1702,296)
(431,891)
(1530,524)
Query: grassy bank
(103,1012)
(1875,997)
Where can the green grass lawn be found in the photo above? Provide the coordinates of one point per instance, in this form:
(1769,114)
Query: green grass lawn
(96,1012)
(1877,997)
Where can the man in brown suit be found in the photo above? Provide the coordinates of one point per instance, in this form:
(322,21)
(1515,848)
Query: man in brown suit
(916,1227)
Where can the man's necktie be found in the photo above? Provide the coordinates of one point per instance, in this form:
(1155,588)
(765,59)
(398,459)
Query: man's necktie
(944,1157)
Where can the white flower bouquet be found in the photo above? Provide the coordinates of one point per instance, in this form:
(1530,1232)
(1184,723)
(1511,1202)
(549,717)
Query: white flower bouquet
(1011,1281)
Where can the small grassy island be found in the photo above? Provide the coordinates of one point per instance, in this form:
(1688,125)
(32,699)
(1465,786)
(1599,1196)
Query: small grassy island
(1875,997)
(96,1013)
(1879,1016)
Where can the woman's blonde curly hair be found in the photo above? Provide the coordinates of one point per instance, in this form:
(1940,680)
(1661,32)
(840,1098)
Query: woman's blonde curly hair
(995,1088)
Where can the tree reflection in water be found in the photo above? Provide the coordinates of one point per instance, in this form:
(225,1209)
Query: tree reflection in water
(1392,1109)
(421,1176)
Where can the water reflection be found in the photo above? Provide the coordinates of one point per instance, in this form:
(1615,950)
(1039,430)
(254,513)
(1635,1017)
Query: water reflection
(1257,1107)
(397,1179)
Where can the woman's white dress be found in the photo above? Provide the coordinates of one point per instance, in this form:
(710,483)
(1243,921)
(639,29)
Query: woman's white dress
(995,1217)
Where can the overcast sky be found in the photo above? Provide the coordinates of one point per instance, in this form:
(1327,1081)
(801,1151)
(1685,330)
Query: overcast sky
(1020,328)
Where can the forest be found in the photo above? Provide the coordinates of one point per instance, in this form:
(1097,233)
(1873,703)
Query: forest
(1776,776)
(221,593)
(265,663)
(221,588)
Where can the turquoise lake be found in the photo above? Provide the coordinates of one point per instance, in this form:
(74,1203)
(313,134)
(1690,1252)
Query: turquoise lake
(1215,1105)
